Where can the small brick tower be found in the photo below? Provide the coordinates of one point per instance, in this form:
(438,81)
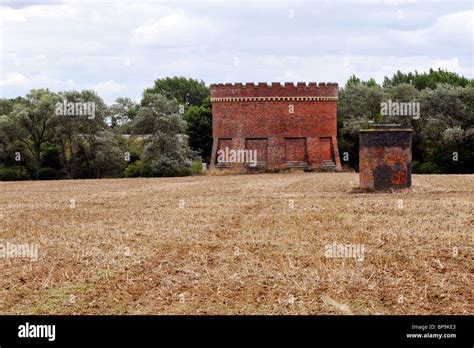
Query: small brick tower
(384,158)
(288,126)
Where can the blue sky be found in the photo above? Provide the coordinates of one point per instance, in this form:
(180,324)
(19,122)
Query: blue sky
(120,47)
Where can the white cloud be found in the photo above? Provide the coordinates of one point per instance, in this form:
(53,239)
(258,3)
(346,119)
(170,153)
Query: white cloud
(119,48)
(14,79)
(447,64)
(175,29)
(11,15)
(108,88)
(450,29)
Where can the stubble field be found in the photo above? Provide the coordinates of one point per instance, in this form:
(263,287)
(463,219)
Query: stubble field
(238,244)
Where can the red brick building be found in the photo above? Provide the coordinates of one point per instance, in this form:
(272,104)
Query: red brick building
(288,125)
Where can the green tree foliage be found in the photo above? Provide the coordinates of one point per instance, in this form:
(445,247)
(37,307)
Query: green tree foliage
(16,173)
(447,128)
(407,93)
(427,79)
(51,166)
(31,122)
(6,106)
(358,102)
(47,173)
(134,169)
(355,81)
(82,137)
(122,112)
(10,147)
(166,151)
(443,139)
(186,91)
(199,129)
(51,156)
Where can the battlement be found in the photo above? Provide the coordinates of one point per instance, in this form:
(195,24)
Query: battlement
(262,90)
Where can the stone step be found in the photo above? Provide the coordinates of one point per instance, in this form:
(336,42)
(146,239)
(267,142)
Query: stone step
(260,164)
(296,164)
(328,165)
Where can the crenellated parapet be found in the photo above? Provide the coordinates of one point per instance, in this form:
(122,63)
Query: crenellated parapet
(274,91)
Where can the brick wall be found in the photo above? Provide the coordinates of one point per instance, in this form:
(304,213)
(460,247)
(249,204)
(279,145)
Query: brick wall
(259,145)
(295,150)
(276,113)
(384,158)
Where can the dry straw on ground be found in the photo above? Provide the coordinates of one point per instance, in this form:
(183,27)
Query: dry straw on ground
(241,244)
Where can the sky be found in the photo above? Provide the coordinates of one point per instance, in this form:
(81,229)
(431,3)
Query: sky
(118,48)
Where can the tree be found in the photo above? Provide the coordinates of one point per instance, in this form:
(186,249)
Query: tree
(32,121)
(10,147)
(355,81)
(187,92)
(6,106)
(358,102)
(199,128)
(105,159)
(78,135)
(407,93)
(166,151)
(447,128)
(429,79)
(122,112)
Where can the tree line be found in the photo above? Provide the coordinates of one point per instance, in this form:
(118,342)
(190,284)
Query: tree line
(46,135)
(443,134)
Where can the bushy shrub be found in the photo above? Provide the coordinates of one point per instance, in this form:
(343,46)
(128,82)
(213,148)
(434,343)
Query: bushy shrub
(167,166)
(46,173)
(50,157)
(133,170)
(13,174)
(425,168)
(196,168)
(415,167)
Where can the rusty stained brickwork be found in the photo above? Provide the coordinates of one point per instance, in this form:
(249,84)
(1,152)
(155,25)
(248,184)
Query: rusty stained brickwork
(385,160)
(289,125)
